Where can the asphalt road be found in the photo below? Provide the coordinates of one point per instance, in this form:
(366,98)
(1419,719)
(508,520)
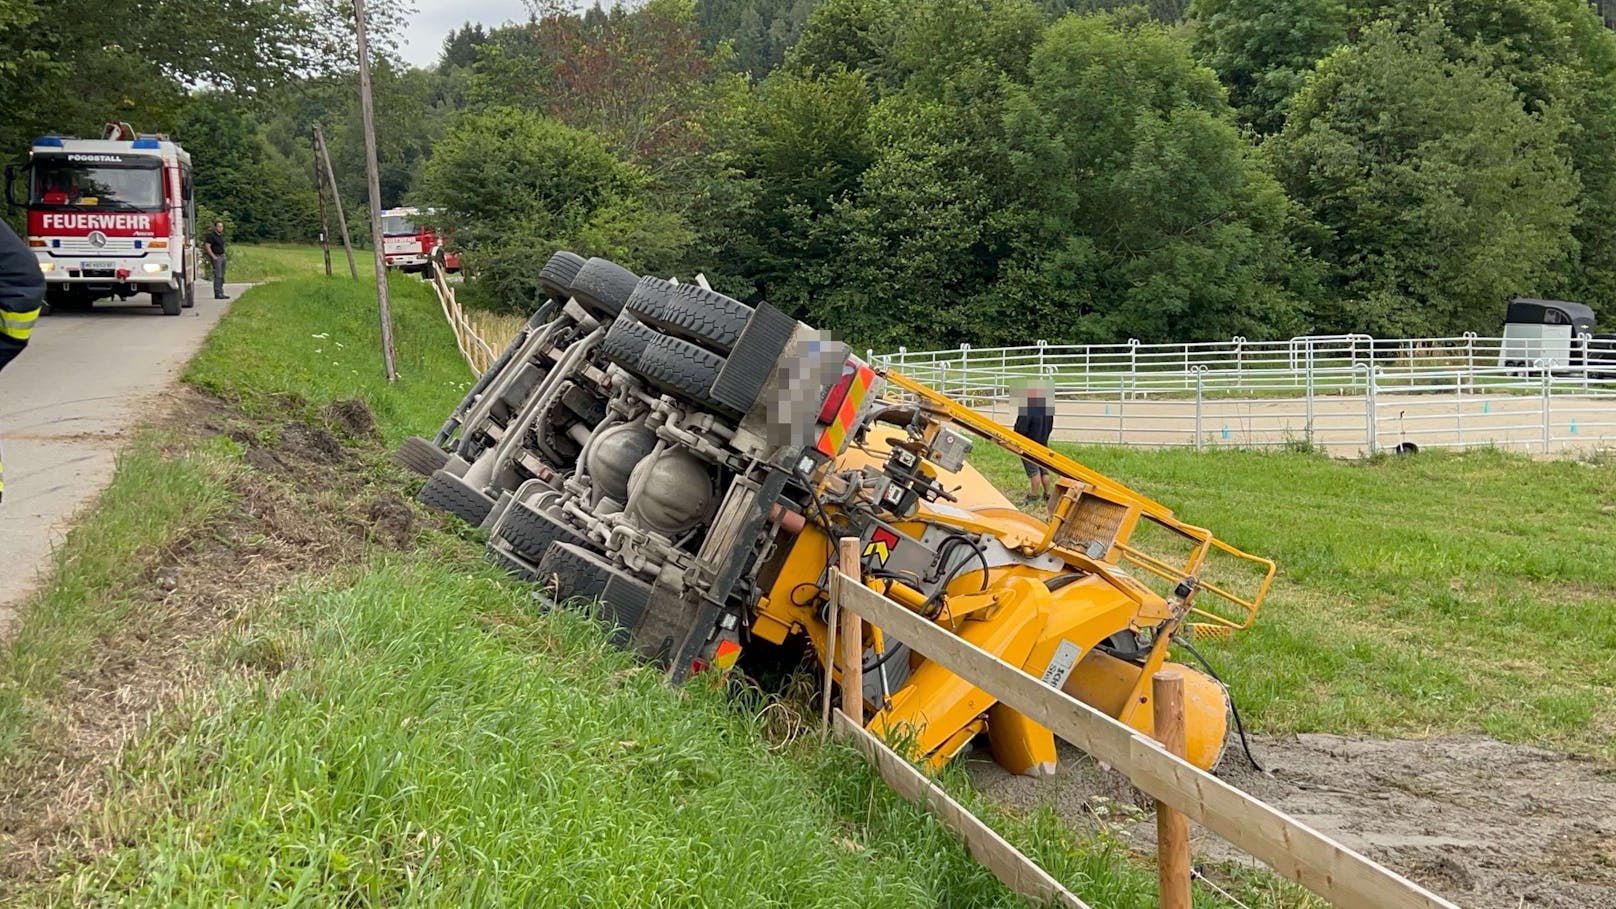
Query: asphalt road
(67,406)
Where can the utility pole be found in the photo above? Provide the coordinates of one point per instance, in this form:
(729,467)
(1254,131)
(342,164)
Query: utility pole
(325,225)
(383,306)
(336,199)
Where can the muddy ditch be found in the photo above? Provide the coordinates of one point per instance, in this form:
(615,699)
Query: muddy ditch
(1487,824)
(310,501)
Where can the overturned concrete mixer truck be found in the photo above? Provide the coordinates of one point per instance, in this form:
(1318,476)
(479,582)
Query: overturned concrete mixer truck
(687,462)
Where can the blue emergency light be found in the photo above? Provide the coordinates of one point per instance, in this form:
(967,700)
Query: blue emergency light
(49,141)
(145,142)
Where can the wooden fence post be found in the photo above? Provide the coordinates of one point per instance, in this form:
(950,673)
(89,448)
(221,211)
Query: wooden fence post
(833,617)
(1172,827)
(852,638)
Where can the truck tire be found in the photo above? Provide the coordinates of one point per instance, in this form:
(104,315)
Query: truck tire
(169,300)
(625,341)
(577,573)
(602,287)
(446,492)
(558,273)
(529,533)
(683,370)
(511,563)
(421,456)
(691,312)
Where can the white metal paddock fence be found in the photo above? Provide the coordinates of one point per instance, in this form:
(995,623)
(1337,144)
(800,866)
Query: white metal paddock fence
(1346,394)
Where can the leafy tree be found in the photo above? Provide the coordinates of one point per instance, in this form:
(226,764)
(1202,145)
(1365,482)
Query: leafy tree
(788,153)
(1167,11)
(1151,218)
(915,246)
(513,186)
(1561,58)
(1440,195)
(851,35)
(634,78)
(264,191)
(964,47)
(912,245)
(1263,50)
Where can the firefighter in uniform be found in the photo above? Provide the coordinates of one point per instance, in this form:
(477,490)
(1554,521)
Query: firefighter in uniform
(22,287)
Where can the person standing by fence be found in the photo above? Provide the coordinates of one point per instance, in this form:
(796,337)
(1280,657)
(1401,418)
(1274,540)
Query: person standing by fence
(1035,419)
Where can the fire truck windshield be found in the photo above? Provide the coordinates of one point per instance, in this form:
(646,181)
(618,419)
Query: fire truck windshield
(398,226)
(65,184)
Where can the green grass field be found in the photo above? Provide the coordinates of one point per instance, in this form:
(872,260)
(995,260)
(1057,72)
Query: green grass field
(1421,595)
(259,262)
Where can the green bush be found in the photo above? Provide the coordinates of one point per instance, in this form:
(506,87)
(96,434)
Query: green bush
(513,187)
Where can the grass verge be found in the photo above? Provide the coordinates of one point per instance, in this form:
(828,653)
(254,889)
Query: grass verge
(316,340)
(1429,594)
(259,262)
(157,497)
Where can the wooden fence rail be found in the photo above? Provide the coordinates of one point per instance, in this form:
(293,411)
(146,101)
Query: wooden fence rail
(469,337)
(1294,850)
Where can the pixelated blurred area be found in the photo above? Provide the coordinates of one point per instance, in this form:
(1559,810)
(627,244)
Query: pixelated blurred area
(811,365)
(1039,392)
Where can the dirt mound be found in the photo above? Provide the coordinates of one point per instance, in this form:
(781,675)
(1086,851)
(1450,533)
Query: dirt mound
(352,418)
(308,506)
(1487,824)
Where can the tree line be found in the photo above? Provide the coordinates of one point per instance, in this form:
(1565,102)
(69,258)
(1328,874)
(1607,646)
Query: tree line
(931,172)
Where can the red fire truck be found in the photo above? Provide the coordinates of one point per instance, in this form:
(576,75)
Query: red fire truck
(407,245)
(111,217)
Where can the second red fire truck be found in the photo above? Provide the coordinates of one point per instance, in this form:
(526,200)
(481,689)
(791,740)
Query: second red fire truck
(408,245)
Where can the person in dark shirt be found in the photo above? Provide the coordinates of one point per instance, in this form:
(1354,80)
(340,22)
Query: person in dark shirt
(1035,419)
(215,247)
(22,289)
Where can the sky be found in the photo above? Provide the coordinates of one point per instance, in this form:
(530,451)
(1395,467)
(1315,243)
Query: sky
(435,19)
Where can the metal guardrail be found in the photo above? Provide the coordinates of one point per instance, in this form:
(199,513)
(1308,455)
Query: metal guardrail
(1342,393)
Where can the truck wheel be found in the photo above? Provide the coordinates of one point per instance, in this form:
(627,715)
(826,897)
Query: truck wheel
(446,492)
(421,456)
(625,341)
(529,533)
(691,312)
(169,300)
(576,573)
(602,287)
(188,298)
(557,274)
(513,564)
(683,370)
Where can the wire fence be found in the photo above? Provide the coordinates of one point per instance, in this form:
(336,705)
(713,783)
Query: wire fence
(1345,394)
